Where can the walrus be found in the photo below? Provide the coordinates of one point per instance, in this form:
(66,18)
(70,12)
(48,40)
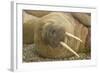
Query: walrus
(56,34)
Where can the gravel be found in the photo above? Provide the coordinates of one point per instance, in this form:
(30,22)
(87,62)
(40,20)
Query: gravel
(29,55)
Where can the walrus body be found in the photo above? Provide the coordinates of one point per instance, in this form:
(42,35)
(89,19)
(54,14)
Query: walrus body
(47,33)
(50,31)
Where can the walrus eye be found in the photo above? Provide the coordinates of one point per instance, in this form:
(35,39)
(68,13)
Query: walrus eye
(53,33)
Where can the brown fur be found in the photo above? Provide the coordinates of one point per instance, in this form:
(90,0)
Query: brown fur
(47,38)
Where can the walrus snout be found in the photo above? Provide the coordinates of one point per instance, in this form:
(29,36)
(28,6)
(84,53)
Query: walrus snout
(53,34)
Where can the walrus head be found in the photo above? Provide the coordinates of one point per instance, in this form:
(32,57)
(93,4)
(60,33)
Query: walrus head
(55,35)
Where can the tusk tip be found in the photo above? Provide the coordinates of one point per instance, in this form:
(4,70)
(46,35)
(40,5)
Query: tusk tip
(73,36)
(70,49)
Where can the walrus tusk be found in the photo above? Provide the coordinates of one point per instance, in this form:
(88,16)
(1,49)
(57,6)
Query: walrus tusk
(67,47)
(69,34)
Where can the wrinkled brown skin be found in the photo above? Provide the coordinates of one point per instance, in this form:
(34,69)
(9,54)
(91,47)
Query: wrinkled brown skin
(83,18)
(47,38)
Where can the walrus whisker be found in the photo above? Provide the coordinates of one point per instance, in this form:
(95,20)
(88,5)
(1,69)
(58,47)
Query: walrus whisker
(73,36)
(68,48)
